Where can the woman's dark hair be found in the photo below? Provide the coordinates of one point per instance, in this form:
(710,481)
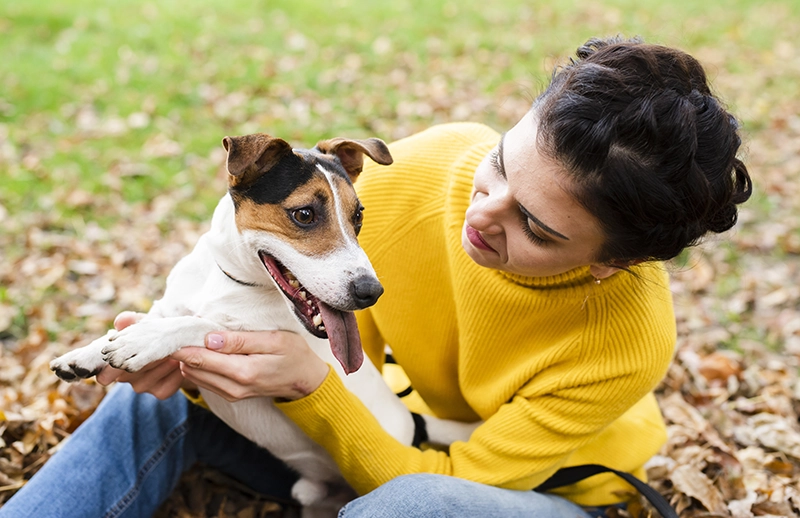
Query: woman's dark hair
(651,151)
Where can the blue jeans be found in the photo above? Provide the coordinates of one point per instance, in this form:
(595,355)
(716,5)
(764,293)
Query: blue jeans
(126,459)
(440,496)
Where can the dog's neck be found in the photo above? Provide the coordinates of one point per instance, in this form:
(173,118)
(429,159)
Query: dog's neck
(229,250)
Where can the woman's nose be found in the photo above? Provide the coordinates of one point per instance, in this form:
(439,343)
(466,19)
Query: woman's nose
(487,212)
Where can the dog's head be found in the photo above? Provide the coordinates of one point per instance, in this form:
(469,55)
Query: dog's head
(298,212)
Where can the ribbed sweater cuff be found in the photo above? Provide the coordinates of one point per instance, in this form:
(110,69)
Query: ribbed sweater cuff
(366,455)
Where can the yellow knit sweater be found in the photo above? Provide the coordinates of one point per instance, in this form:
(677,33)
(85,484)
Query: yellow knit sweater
(560,369)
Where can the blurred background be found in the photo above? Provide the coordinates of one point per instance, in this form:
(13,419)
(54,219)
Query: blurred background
(111,117)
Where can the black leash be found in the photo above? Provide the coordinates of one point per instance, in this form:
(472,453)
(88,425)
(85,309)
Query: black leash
(564,476)
(573,474)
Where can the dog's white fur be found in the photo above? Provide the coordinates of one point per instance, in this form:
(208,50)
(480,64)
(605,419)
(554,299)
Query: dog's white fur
(200,298)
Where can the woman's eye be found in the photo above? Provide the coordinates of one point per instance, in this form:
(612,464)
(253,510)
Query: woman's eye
(304,216)
(526,227)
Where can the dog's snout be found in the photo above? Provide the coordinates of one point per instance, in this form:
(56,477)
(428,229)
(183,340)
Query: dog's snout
(366,290)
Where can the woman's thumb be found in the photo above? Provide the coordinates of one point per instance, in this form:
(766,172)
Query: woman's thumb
(230,342)
(215,341)
(127,318)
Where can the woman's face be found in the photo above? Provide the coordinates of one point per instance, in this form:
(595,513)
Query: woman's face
(521,218)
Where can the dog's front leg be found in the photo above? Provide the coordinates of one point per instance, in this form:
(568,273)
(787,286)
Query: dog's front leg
(445,432)
(152,339)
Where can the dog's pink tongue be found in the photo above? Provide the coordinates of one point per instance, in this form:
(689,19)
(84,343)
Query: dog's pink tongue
(343,334)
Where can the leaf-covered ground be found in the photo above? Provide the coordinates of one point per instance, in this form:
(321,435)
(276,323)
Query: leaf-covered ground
(110,122)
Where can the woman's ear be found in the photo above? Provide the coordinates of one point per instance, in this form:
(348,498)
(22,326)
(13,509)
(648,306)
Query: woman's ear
(602,271)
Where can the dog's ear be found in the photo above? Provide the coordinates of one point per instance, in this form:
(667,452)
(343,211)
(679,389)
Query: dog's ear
(250,156)
(351,152)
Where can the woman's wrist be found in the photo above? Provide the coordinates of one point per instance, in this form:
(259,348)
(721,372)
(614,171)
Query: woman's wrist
(316,373)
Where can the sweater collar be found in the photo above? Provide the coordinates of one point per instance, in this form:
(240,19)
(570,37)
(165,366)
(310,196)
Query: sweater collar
(576,277)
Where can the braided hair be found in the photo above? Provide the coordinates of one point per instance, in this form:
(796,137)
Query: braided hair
(650,150)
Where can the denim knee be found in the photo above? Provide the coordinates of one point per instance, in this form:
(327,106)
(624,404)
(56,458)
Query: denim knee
(409,496)
(440,496)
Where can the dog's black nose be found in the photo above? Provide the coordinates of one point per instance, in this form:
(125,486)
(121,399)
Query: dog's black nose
(366,290)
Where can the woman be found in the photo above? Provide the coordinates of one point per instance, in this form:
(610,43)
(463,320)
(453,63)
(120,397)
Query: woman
(523,289)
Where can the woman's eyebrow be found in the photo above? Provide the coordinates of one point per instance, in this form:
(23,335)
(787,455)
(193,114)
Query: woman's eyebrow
(542,225)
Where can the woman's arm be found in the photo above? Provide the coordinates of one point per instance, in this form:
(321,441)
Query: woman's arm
(239,365)
(519,447)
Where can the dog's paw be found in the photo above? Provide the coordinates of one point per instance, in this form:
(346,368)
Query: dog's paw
(137,346)
(309,492)
(127,354)
(81,363)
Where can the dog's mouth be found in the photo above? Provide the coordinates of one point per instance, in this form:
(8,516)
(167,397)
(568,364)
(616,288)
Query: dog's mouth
(320,319)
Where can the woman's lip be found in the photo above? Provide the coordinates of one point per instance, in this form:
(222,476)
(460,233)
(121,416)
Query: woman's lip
(477,240)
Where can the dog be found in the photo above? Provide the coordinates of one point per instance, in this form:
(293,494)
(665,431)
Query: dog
(281,253)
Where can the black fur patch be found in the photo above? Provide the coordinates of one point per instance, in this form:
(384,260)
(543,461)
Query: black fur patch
(291,172)
(275,185)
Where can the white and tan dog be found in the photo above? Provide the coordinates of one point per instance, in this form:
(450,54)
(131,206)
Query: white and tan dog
(281,253)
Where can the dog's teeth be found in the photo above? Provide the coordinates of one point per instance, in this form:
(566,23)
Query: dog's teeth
(290,276)
(294,283)
(321,328)
(302,294)
(317,320)
(308,302)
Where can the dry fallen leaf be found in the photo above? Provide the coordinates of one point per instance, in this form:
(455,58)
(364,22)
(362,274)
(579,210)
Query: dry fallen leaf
(692,482)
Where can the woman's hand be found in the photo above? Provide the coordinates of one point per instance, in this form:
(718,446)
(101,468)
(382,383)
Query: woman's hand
(161,379)
(239,365)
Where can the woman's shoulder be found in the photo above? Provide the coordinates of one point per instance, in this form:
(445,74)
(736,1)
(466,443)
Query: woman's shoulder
(424,164)
(447,138)
(638,311)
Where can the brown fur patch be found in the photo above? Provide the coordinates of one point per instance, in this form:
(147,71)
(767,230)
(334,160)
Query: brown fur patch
(323,237)
(250,155)
(351,152)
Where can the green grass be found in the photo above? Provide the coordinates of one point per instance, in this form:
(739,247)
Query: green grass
(303,70)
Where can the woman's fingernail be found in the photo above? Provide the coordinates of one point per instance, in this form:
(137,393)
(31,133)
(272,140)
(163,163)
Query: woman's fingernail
(215,341)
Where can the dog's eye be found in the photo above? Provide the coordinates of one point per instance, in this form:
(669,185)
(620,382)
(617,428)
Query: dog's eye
(304,216)
(358,218)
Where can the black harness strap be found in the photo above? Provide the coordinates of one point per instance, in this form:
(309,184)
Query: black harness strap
(573,474)
(403,393)
(420,430)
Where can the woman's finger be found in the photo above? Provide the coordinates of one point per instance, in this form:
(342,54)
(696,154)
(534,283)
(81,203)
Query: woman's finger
(151,377)
(219,384)
(237,367)
(251,342)
(169,385)
(108,375)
